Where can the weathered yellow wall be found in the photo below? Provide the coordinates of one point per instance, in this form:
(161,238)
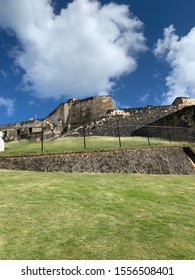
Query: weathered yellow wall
(183,101)
(89,109)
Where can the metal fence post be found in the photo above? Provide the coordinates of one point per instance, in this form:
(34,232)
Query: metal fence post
(147,136)
(119,137)
(186,131)
(84,137)
(42,134)
(168,134)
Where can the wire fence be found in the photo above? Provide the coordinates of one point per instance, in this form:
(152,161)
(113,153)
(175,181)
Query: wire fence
(111,135)
(147,133)
(125,135)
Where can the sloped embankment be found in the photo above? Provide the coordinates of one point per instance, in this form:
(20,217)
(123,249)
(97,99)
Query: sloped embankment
(163,160)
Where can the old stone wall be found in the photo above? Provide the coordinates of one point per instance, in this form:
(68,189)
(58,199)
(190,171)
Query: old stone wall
(143,115)
(89,109)
(179,126)
(165,160)
(21,129)
(72,113)
(128,120)
(99,116)
(168,122)
(76,112)
(184,117)
(183,101)
(57,115)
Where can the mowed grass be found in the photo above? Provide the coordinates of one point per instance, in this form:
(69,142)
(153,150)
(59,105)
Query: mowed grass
(96,216)
(74,144)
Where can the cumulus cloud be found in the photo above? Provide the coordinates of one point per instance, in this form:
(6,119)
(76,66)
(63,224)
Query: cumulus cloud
(180,55)
(81,51)
(8,104)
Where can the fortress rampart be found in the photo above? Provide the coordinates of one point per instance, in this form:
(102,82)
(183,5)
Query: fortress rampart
(100,117)
(163,160)
(72,113)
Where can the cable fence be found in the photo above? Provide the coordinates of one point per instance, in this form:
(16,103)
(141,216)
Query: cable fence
(140,134)
(106,136)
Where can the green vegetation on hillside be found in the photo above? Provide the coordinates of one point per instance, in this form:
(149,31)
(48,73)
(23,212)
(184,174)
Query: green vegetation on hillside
(69,144)
(96,216)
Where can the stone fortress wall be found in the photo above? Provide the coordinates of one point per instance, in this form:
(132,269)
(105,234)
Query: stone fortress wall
(159,160)
(67,115)
(79,112)
(172,122)
(184,101)
(100,117)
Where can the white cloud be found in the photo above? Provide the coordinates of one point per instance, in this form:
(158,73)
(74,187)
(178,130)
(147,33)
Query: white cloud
(80,52)
(119,105)
(3,74)
(8,104)
(143,98)
(180,55)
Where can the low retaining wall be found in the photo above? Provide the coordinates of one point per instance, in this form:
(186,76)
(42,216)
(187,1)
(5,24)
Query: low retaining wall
(165,160)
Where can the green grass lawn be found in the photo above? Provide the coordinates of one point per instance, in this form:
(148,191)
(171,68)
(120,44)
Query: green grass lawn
(69,144)
(96,216)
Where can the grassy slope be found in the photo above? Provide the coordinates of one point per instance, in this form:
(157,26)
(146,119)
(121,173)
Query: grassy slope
(96,216)
(66,144)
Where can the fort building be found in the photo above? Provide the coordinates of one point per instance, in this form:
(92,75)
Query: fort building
(100,117)
(183,101)
(66,116)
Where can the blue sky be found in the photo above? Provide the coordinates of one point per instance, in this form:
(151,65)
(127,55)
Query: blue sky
(139,51)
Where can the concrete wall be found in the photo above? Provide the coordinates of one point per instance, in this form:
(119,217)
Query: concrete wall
(166,160)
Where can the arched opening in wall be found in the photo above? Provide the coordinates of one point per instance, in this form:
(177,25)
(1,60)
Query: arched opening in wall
(18,132)
(30,130)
